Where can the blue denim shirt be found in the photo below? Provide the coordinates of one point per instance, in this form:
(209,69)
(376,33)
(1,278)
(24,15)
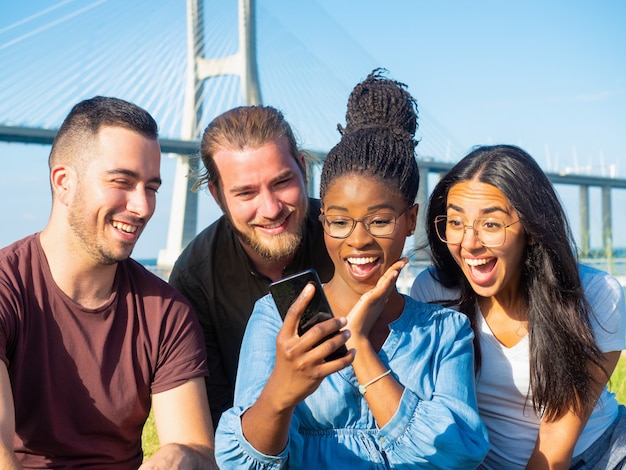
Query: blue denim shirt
(429,351)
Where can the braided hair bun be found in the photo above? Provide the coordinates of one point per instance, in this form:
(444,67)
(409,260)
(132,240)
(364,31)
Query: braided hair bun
(379,138)
(380,101)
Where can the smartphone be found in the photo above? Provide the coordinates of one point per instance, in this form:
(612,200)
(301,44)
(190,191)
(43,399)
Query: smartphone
(285,292)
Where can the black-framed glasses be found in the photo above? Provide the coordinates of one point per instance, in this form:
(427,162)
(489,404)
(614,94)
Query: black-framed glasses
(489,231)
(378,225)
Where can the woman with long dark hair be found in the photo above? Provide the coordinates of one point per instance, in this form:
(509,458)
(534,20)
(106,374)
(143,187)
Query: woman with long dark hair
(548,331)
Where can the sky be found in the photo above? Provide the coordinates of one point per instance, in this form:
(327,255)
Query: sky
(549,76)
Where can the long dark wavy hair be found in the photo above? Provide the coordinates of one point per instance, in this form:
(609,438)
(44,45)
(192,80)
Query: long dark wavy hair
(561,339)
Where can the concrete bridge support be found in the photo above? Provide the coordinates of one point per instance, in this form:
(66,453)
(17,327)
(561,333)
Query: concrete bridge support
(585,221)
(184,211)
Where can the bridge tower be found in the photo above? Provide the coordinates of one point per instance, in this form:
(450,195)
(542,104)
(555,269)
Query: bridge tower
(184,210)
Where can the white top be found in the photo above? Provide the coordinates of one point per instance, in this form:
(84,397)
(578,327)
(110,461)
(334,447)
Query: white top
(503,383)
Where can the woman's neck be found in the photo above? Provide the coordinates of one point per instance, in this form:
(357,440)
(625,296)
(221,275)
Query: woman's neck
(513,307)
(508,321)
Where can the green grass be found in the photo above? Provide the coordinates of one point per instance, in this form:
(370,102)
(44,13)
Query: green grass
(618,385)
(618,380)
(149,438)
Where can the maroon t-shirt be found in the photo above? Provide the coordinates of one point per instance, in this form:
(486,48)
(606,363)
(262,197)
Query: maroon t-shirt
(82,378)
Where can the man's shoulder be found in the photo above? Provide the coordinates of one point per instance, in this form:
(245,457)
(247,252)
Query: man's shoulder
(199,250)
(314,211)
(200,245)
(312,252)
(216,245)
(314,206)
(16,259)
(18,248)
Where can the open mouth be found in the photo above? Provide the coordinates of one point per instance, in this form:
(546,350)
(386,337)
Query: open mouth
(362,266)
(481,270)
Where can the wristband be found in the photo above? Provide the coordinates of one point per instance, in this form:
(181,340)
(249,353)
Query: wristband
(363,388)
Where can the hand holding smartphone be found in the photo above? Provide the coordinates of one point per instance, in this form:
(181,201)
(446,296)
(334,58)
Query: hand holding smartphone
(285,291)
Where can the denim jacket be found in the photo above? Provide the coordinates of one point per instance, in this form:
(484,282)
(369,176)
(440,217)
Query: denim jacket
(429,351)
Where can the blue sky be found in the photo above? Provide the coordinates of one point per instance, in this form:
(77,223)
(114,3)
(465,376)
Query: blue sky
(548,76)
(536,73)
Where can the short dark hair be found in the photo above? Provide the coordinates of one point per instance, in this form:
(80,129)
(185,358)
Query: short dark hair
(87,118)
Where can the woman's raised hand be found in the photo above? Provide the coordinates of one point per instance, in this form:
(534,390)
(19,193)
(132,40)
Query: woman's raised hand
(366,311)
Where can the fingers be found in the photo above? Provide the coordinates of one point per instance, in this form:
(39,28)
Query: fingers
(300,360)
(370,305)
(321,339)
(292,319)
(318,342)
(386,283)
(331,344)
(393,271)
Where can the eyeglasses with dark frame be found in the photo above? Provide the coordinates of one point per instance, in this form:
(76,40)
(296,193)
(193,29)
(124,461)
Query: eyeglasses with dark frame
(489,231)
(377,225)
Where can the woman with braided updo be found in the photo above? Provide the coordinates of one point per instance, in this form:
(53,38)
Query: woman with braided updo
(403,394)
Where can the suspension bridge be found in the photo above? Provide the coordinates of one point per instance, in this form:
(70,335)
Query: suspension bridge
(188,61)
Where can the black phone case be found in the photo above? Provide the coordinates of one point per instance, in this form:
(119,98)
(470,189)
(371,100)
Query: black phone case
(285,291)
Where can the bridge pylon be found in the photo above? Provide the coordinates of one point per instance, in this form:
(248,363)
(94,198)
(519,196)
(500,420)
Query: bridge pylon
(184,210)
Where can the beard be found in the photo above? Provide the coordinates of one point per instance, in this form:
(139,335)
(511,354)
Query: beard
(274,248)
(277,247)
(87,240)
(86,233)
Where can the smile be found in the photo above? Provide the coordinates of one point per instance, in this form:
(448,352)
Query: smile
(272,226)
(362,268)
(124,227)
(477,261)
(361,260)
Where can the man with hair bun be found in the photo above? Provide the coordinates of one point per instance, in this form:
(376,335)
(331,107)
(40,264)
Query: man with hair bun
(257,175)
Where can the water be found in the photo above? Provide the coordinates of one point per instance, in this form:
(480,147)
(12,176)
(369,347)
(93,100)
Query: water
(615,266)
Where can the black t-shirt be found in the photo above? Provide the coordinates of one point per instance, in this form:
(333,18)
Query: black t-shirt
(216,276)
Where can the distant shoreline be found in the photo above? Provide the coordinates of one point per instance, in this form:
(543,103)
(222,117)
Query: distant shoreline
(615,266)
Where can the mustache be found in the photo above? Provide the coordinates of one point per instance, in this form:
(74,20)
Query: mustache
(284,215)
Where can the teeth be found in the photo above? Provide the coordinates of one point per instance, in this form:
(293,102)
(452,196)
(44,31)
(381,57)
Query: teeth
(124,227)
(361,260)
(265,225)
(274,225)
(477,262)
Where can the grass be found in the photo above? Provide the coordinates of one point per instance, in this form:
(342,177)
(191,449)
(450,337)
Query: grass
(149,438)
(618,380)
(617,385)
